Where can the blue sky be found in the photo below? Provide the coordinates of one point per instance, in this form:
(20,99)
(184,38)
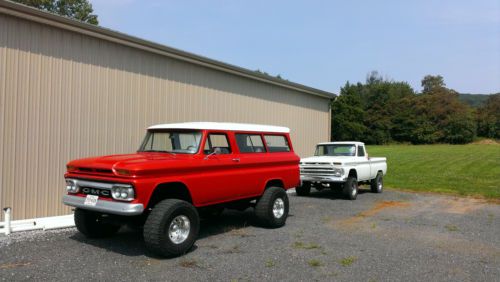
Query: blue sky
(323,44)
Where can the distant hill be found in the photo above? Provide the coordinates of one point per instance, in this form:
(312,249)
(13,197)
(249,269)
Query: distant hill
(473,100)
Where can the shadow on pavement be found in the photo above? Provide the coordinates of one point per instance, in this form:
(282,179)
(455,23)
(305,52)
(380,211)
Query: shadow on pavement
(130,242)
(330,194)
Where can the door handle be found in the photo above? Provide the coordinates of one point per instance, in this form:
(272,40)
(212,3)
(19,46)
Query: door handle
(236,160)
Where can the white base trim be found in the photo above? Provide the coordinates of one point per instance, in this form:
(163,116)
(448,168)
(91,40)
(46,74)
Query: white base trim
(43,223)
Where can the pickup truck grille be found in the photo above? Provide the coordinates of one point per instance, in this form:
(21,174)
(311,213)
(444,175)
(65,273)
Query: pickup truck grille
(309,169)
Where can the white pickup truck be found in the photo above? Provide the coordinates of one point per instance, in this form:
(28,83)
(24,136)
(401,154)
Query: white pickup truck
(341,165)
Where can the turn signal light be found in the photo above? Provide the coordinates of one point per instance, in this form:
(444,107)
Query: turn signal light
(123,172)
(70,167)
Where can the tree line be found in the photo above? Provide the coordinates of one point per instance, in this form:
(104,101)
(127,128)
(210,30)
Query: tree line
(382,111)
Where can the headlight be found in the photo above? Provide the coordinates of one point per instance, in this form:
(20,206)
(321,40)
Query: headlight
(338,172)
(71,186)
(122,192)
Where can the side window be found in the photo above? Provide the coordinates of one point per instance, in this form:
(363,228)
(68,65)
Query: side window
(361,151)
(217,140)
(250,143)
(277,143)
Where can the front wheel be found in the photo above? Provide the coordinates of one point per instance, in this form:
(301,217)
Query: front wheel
(171,228)
(351,188)
(272,207)
(377,184)
(93,225)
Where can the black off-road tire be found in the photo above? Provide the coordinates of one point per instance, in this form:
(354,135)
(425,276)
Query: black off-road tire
(351,188)
(158,223)
(377,184)
(264,207)
(91,224)
(303,190)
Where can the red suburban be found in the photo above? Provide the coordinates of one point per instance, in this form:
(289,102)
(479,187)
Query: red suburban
(180,172)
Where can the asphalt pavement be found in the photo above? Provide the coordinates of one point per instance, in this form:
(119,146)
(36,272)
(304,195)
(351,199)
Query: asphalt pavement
(394,236)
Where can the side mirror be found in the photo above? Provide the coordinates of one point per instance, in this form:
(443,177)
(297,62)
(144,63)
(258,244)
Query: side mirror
(217,151)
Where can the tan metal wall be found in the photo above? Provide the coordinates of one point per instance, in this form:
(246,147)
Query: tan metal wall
(65,95)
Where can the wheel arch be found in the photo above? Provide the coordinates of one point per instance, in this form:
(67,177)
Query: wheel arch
(170,190)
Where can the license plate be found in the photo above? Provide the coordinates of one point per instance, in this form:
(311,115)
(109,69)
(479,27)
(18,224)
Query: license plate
(91,200)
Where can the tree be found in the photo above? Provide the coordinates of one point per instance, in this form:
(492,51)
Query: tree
(348,117)
(381,111)
(431,82)
(488,117)
(75,9)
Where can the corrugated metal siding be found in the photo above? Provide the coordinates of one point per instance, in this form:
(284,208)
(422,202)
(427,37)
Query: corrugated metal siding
(65,95)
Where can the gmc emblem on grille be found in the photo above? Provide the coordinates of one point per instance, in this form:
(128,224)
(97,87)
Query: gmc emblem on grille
(95,191)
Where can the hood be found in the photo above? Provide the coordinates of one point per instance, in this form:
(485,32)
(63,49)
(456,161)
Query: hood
(135,163)
(328,159)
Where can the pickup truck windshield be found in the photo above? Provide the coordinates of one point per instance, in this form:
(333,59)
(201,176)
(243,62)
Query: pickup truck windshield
(335,150)
(171,141)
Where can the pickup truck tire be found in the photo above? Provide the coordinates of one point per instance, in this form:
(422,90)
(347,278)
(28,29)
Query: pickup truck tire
(171,228)
(272,207)
(351,188)
(91,225)
(303,190)
(377,184)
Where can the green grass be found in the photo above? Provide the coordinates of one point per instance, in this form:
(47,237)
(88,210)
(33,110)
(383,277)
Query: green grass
(467,170)
(348,261)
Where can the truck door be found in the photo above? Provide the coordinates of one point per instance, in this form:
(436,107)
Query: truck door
(363,164)
(219,176)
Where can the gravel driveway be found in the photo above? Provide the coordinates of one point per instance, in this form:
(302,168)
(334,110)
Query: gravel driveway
(393,236)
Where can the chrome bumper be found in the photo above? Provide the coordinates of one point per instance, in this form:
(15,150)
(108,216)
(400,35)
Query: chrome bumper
(321,178)
(104,206)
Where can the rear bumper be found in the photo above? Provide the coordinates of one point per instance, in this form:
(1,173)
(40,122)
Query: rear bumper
(104,206)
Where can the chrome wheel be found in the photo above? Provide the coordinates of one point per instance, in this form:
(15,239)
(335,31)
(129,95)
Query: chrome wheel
(179,229)
(278,208)
(379,185)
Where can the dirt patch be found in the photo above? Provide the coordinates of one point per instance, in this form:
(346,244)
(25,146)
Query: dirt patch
(486,142)
(377,208)
(461,205)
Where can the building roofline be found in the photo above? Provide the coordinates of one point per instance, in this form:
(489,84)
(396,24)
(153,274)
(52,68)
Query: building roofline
(33,14)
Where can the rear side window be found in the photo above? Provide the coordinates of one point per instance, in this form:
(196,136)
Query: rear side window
(361,151)
(250,143)
(277,143)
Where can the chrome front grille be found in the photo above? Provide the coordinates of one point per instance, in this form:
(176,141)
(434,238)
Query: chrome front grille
(315,169)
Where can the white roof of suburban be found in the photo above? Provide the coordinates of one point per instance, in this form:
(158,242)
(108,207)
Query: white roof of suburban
(342,142)
(222,126)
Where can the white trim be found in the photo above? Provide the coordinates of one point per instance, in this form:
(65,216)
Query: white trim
(223,126)
(43,223)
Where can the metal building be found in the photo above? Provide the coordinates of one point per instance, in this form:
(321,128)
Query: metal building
(70,90)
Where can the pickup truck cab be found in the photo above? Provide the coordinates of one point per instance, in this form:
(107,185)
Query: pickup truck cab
(179,172)
(341,165)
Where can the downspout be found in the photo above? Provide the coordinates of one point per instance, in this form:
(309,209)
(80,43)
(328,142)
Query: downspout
(6,212)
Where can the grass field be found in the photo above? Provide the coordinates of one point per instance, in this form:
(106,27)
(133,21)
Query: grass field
(469,170)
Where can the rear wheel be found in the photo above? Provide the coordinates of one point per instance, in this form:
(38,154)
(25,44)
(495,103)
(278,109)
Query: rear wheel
(171,228)
(377,184)
(351,188)
(304,189)
(93,225)
(272,207)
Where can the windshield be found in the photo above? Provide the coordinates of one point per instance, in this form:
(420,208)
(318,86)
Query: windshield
(336,150)
(171,141)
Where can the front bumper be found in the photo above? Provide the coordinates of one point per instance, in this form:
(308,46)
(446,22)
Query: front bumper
(104,206)
(321,178)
